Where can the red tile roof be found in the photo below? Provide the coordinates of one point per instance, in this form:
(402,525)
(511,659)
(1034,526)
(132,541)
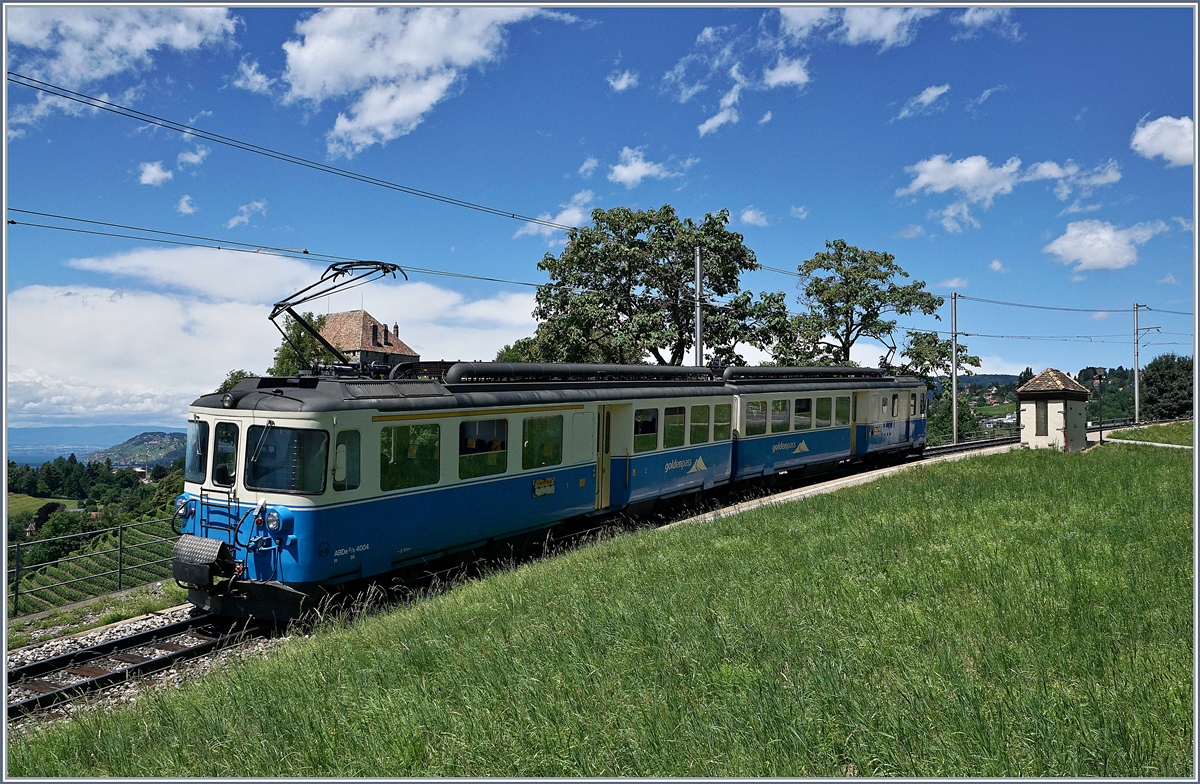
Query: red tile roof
(1051,380)
(351,331)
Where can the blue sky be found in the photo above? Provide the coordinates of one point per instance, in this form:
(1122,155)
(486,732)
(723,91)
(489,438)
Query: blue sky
(1039,156)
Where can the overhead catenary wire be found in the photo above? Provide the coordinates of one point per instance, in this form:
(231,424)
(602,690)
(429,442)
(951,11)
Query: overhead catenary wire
(228,141)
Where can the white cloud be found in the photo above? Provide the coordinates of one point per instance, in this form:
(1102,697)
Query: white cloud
(799,23)
(754,217)
(154,174)
(1169,137)
(620,82)
(1099,315)
(787,72)
(974,104)
(633,168)
(574,213)
(799,213)
(954,283)
(395,63)
(977,181)
(911,231)
(148,354)
(588,167)
(246,211)
(1186,224)
(250,78)
(1093,244)
(997,266)
(185,206)
(1077,207)
(887,27)
(925,102)
(193,158)
(766,118)
(727,114)
(79,46)
(975,20)
(1000,365)
(1169,279)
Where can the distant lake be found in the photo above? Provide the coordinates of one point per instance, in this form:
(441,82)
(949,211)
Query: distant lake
(35,455)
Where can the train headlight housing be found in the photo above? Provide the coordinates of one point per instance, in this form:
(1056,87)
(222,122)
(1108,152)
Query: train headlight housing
(227,400)
(273,521)
(181,508)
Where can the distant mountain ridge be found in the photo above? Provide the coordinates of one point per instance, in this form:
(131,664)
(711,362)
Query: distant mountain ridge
(151,449)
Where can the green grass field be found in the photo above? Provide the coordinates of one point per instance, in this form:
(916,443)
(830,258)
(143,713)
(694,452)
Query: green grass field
(18,502)
(1000,409)
(1172,433)
(1025,614)
(107,609)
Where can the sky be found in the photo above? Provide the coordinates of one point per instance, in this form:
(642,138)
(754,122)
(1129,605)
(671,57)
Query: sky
(1040,156)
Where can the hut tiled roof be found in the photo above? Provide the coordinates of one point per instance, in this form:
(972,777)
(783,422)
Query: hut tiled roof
(351,331)
(1051,380)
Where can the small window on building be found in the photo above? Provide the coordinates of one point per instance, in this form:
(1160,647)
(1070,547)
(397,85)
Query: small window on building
(780,415)
(482,448)
(756,417)
(347,463)
(841,411)
(804,413)
(542,442)
(699,425)
(824,411)
(1042,416)
(645,430)
(722,421)
(410,456)
(225,443)
(374,334)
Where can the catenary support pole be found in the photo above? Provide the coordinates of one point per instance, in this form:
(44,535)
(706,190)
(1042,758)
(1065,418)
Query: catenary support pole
(1137,339)
(954,367)
(699,329)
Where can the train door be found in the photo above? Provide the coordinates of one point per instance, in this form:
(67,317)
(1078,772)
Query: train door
(603,457)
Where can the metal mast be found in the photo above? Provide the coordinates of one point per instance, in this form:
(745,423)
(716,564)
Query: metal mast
(699,331)
(954,366)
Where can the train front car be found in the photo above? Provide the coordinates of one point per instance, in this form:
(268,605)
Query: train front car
(256,466)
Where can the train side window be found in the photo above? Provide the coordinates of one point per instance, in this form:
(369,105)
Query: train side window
(895,406)
(195,468)
(722,421)
(699,425)
(645,430)
(912,403)
(756,417)
(884,401)
(673,426)
(841,411)
(542,439)
(482,448)
(922,404)
(410,456)
(780,415)
(824,411)
(225,442)
(347,463)
(804,413)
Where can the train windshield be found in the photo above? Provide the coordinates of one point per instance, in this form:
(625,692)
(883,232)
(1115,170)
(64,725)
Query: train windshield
(195,464)
(286,459)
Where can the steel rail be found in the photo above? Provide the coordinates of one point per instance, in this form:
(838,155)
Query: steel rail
(210,632)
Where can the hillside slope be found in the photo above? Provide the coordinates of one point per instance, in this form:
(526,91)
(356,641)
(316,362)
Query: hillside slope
(1026,614)
(147,448)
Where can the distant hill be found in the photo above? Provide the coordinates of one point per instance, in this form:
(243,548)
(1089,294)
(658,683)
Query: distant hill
(36,445)
(147,448)
(987,379)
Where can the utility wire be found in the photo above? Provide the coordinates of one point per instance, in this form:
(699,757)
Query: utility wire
(228,141)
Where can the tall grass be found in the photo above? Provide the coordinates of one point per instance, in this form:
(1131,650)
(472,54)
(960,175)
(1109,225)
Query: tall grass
(1026,614)
(1180,433)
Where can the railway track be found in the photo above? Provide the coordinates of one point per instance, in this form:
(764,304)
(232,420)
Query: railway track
(933,451)
(40,684)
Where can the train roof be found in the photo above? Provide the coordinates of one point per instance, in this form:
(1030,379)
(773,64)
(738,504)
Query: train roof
(489,384)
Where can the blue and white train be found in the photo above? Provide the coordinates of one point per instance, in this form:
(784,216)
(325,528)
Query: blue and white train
(294,485)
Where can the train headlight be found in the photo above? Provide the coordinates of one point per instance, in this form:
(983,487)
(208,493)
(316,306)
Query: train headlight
(181,507)
(227,400)
(273,520)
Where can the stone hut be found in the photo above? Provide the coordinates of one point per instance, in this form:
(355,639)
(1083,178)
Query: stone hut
(1053,410)
(361,336)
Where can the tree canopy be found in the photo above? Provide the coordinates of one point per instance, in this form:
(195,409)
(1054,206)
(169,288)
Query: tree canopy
(623,289)
(849,293)
(1165,387)
(287,361)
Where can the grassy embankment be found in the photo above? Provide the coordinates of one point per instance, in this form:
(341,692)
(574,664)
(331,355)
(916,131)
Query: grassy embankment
(106,609)
(999,409)
(1027,614)
(19,502)
(1171,433)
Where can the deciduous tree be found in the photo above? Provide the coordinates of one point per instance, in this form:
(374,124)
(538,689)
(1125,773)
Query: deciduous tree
(287,361)
(1166,387)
